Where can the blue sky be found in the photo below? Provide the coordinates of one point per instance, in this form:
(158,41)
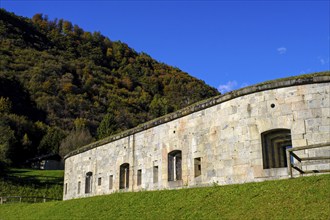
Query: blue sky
(228,44)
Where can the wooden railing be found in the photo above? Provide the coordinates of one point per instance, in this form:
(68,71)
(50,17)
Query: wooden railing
(298,166)
(26,199)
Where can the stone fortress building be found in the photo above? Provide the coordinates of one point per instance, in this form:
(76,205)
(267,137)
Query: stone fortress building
(238,137)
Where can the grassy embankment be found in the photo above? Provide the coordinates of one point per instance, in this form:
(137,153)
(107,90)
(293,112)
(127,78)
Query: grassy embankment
(300,198)
(32,183)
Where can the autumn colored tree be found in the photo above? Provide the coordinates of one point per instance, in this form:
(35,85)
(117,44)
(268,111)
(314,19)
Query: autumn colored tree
(62,87)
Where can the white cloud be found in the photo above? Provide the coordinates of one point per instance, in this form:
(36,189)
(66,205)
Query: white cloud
(244,85)
(229,86)
(281,50)
(323,61)
(305,71)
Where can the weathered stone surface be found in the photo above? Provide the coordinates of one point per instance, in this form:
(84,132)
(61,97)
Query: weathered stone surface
(224,131)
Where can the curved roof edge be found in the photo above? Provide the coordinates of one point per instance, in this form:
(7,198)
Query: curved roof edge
(321,77)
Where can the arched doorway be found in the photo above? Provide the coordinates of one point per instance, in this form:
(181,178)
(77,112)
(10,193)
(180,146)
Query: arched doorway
(175,165)
(88,182)
(124,176)
(274,145)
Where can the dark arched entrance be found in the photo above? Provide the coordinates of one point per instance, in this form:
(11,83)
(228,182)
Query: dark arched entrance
(274,145)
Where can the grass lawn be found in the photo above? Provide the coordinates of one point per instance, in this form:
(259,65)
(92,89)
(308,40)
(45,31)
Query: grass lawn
(299,198)
(32,183)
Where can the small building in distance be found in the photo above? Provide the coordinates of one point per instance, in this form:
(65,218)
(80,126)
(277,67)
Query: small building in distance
(46,162)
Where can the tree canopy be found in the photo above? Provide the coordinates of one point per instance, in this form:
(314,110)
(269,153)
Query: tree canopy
(54,75)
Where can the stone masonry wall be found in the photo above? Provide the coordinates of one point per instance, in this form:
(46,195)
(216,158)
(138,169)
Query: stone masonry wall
(224,132)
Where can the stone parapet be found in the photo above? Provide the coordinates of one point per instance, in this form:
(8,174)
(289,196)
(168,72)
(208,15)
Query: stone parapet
(322,77)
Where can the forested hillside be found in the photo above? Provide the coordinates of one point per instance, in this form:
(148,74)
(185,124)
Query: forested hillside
(62,87)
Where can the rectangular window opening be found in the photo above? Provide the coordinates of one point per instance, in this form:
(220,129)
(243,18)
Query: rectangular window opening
(197,166)
(79,183)
(155,174)
(99,181)
(66,188)
(139,177)
(111,182)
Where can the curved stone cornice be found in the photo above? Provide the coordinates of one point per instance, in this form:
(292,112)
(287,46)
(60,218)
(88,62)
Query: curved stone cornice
(321,77)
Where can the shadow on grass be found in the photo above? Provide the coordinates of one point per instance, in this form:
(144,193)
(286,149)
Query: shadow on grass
(23,178)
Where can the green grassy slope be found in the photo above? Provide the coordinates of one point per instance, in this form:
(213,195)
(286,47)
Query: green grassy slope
(32,183)
(300,198)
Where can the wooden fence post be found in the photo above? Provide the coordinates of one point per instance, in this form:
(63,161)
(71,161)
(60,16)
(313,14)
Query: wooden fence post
(288,159)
